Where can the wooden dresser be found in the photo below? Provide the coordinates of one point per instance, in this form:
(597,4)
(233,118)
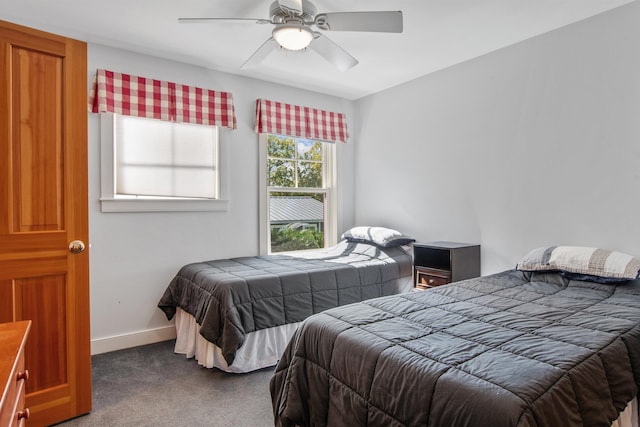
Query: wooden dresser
(13,375)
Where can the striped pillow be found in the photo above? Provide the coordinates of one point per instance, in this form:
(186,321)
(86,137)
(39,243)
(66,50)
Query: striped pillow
(582,263)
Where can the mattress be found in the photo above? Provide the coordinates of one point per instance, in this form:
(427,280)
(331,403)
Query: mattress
(234,297)
(510,349)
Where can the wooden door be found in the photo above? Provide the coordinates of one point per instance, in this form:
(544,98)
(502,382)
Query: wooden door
(43,207)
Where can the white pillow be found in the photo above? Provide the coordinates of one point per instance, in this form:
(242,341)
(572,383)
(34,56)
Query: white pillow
(380,236)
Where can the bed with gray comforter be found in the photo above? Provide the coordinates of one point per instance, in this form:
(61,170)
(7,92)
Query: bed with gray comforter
(510,349)
(233,297)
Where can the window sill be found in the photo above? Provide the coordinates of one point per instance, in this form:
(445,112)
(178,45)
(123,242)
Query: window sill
(162,205)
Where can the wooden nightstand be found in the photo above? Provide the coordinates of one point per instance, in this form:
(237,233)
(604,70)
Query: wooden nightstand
(439,263)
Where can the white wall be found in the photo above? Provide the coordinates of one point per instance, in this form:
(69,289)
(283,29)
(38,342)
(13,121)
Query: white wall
(133,256)
(532,145)
(535,144)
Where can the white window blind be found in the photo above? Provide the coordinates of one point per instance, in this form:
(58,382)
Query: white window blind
(155,158)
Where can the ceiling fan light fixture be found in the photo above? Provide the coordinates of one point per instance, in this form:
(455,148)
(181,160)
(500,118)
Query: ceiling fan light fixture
(292,36)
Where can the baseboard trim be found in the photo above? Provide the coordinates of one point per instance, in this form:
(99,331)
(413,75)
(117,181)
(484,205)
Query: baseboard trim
(134,339)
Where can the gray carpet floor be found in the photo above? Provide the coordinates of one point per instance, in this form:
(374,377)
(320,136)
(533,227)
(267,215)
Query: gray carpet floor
(151,386)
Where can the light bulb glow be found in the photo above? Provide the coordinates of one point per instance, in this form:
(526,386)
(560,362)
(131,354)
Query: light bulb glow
(293,36)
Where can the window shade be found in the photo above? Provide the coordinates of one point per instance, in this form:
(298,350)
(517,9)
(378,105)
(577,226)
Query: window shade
(144,97)
(164,159)
(297,121)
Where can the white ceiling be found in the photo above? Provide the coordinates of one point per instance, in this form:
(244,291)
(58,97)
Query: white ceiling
(437,34)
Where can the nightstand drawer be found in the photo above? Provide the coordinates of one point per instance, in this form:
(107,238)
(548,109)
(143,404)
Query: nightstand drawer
(430,278)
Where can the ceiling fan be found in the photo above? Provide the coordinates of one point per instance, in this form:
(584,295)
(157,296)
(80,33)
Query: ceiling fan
(295,23)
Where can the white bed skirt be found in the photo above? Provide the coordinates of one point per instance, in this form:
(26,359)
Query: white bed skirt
(261,349)
(628,417)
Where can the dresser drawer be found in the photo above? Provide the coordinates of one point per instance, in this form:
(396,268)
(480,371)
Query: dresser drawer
(21,414)
(14,413)
(12,405)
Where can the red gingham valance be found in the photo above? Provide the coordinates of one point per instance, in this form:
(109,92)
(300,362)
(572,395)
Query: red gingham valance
(143,97)
(294,120)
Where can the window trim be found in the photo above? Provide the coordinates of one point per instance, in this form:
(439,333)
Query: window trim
(331,207)
(110,203)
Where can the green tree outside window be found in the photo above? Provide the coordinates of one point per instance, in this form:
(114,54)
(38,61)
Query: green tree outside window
(297,164)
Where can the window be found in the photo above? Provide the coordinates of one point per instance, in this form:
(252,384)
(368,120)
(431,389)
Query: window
(297,209)
(155,165)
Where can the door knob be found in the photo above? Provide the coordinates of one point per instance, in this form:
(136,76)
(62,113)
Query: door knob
(76,246)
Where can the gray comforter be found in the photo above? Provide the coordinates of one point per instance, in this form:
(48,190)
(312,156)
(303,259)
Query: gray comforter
(230,298)
(511,349)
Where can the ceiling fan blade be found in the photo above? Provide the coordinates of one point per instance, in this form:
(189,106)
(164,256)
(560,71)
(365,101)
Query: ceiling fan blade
(379,22)
(333,53)
(260,54)
(294,6)
(230,20)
